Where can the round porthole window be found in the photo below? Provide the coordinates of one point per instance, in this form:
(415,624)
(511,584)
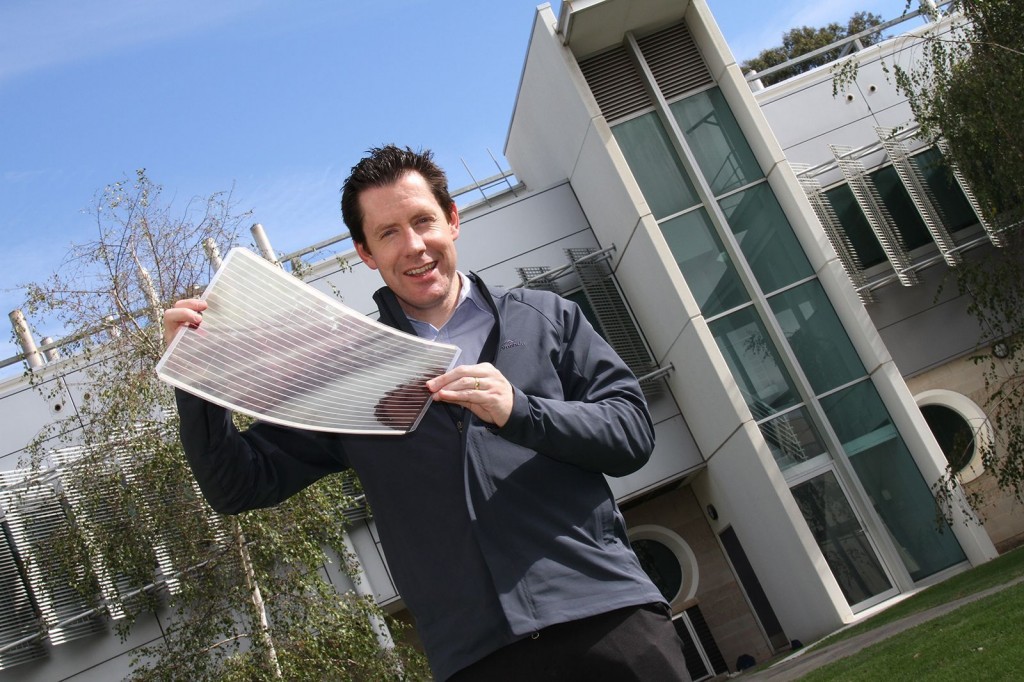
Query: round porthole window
(667,560)
(961,428)
(661,565)
(955,435)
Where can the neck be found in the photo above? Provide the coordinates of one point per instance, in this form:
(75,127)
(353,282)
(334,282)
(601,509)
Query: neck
(438,315)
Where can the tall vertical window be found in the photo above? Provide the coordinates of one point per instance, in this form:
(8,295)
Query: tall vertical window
(821,345)
(856,226)
(754,362)
(700,255)
(765,237)
(892,481)
(956,210)
(904,214)
(718,144)
(655,165)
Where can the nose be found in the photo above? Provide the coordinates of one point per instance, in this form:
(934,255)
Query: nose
(414,241)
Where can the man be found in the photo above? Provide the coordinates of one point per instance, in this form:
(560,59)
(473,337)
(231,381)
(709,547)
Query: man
(500,530)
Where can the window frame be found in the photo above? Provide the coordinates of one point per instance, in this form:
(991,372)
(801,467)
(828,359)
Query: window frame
(976,419)
(683,554)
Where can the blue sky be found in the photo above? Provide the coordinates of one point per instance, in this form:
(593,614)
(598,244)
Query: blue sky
(272,99)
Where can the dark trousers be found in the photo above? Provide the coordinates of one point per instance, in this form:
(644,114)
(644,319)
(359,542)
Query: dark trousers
(633,644)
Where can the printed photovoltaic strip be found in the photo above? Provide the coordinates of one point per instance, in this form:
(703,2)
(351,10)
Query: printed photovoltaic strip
(283,352)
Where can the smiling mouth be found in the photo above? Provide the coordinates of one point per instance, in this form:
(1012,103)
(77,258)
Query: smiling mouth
(421,271)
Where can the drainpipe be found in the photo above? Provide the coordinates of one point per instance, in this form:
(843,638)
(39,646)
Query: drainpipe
(264,243)
(28,345)
(755,84)
(51,354)
(213,253)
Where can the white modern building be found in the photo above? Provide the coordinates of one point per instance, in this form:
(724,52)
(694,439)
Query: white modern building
(764,261)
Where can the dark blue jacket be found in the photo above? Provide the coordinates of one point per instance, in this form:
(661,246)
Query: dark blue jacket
(490,534)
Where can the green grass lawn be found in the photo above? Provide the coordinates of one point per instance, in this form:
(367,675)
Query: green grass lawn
(983,640)
(999,571)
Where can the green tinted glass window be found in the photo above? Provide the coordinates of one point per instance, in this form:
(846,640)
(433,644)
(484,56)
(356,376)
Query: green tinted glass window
(716,141)
(792,438)
(754,362)
(841,538)
(956,211)
(892,481)
(816,336)
(855,226)
(655,165)
(765,237)
(894,195)
(705,265)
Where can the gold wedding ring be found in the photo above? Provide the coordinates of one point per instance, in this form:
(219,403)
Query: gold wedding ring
(476,385)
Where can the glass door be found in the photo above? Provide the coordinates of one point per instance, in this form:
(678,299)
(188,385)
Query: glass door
(844,544)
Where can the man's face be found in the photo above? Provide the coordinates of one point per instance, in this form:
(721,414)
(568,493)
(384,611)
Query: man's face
(411,242)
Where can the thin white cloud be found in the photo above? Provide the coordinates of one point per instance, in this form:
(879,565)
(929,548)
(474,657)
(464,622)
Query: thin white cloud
(21,175)
(38,35)
(296,208)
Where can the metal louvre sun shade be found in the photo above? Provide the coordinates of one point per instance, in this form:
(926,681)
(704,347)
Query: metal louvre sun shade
(278,350)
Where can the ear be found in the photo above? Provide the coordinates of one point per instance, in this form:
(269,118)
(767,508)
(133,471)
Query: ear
(365,254)
(453,222)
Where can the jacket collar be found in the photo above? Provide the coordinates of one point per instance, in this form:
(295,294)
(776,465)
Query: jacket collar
(391,312)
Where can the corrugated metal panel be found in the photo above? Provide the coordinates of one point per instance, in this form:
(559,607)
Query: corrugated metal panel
(675,61)
(609,306)
(36,517)
(37,600)
(614,320)
(119,462)
(616,84)
(93,520)
(20,627)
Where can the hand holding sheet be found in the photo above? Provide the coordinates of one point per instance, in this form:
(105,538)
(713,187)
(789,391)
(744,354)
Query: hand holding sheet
(278,350)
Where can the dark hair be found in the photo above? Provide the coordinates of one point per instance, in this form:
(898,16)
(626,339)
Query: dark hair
(385,166)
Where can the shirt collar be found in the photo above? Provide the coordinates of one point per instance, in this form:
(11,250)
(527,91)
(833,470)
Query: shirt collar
(467,292)
(473,293)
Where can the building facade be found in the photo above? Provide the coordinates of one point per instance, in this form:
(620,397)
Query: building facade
(790,489)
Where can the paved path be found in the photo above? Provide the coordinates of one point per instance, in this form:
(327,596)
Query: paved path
(801,663)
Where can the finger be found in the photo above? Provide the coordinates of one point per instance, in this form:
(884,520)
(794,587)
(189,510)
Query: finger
(179,316)
(185,313)
(449,378)
(196,304)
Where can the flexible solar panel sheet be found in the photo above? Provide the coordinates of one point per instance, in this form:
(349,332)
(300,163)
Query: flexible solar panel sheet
(278,350)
